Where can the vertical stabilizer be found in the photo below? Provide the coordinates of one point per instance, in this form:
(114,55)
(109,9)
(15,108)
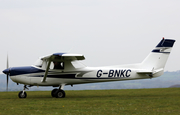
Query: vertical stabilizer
(157,59)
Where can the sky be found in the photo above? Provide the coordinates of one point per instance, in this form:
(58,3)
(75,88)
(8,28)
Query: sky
(107,32)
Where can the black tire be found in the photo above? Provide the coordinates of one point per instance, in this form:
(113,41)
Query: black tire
(22,95)
(53,92)
(60,94)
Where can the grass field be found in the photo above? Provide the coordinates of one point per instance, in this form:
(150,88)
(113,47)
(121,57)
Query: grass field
(94,102)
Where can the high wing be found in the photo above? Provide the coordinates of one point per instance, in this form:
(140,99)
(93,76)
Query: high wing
(60,57)
(64,56)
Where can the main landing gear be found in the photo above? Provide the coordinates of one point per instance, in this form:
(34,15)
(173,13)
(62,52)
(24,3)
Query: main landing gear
(58,93)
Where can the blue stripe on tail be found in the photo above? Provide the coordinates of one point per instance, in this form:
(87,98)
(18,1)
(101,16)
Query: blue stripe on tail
(166,43)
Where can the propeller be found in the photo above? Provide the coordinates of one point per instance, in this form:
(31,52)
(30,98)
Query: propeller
(7,72)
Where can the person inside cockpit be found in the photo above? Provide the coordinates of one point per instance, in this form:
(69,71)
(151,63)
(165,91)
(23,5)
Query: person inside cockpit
(58,65)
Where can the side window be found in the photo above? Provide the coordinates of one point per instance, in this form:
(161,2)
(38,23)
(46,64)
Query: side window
(77,64)
(58,65)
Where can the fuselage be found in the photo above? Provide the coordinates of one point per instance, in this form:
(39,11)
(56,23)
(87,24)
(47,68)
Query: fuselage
(33,75)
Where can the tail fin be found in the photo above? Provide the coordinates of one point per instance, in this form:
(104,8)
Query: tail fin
(157,59)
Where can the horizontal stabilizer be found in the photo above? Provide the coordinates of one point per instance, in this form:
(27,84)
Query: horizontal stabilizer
(149,71)
(144,71)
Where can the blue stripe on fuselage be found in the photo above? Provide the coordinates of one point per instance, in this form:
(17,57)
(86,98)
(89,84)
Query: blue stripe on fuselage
(24,70)
(56,76)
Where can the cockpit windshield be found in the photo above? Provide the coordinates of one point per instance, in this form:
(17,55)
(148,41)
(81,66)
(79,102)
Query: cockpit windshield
(38,63)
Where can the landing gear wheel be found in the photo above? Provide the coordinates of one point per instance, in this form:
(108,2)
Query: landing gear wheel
(53,92)
(22,95)
(60,94)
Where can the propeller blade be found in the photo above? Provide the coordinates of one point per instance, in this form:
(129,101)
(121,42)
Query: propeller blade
(7,73)
(7,82)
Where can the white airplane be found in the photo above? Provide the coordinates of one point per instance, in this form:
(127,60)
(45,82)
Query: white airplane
(60,69)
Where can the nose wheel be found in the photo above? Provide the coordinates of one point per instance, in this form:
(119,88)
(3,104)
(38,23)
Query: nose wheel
(23,94)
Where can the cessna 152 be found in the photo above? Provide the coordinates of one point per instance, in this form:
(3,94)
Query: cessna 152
(60,69)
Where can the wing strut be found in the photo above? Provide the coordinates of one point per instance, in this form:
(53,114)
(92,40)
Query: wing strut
(46,72)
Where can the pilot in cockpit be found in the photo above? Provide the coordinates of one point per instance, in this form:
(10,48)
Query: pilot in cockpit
(58,65)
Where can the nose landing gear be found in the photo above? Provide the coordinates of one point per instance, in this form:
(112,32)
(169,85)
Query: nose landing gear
(23,94)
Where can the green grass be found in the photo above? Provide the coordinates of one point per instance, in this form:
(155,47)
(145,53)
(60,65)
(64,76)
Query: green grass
(94,102)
